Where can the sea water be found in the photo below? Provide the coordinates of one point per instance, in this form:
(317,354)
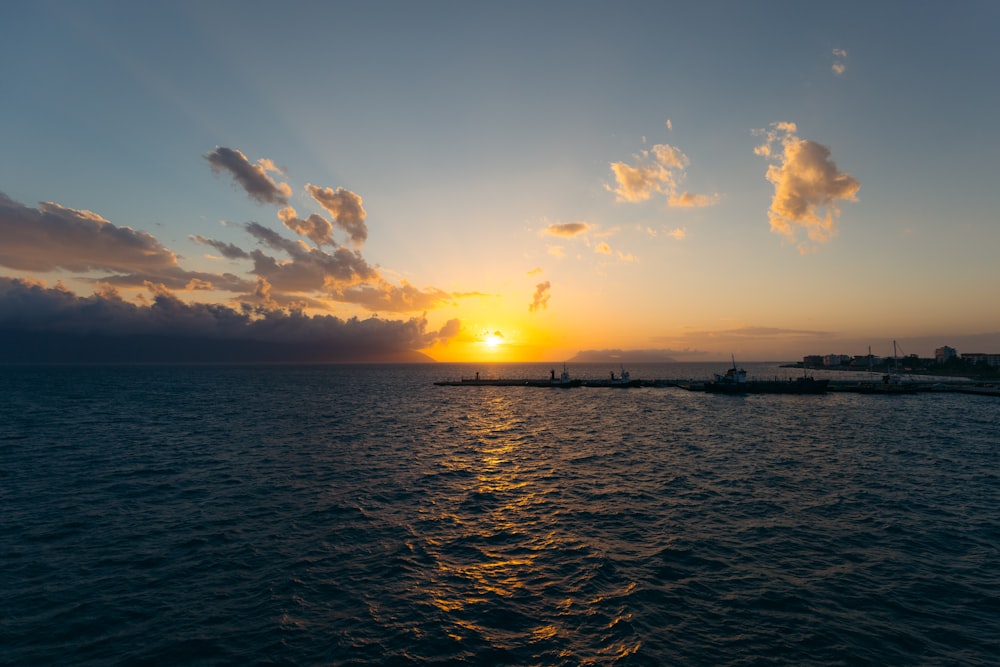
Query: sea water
(360,515)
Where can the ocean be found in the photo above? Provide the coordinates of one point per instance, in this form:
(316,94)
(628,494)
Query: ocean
(361,515)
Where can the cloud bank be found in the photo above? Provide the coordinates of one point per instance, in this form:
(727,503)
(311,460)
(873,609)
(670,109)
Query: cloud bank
(807,186)
(39,324)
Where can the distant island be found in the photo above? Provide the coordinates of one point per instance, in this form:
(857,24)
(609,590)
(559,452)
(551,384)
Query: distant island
(622,357)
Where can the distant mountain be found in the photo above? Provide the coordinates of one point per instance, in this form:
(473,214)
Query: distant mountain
(622,356)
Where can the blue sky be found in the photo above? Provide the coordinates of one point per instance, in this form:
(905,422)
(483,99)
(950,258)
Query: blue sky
(475,133)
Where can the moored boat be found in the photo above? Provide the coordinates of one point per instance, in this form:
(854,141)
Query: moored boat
(735,382)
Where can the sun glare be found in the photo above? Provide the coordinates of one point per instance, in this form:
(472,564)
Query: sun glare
(493,340)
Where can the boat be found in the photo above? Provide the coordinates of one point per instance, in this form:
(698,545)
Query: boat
(892,382)
(624,380)
(564,380)
(735,382)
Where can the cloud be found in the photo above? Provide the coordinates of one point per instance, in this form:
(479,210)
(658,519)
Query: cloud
(279,273)
(603,248)
(252,177)
(52,237)
(690,200)
(807,186)
(541,298)
(309,269)
(55,238)
(316,228)
(657,171)
(346,209)
(617,355)
(228,250)
(567,229)
(40,324)
(392,298)
(746,333)
(341,275)
(839,66)
(679,233)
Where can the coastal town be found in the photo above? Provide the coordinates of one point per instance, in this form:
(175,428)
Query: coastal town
(946,361)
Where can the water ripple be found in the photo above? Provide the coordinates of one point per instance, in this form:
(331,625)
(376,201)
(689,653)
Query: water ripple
(362,516)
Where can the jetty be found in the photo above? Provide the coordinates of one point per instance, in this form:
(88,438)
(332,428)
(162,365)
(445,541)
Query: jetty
(625,382)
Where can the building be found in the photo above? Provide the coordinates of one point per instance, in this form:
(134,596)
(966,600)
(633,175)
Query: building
(992,360)
(836,360)
(944,354)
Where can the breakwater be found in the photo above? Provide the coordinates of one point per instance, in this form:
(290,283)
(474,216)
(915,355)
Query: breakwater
(861,387)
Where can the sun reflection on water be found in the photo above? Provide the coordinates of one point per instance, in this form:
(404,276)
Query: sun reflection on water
(488,556)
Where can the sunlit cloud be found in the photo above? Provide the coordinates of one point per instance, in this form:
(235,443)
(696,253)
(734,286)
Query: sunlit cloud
(807,186)
(537,271)
(839,65)
(252,177)
(346,209)
(691,200)
(603,248)
(556,250)
(567,229)
(316,228)
(384,296)
(657,171)
(679,233)
(541,298)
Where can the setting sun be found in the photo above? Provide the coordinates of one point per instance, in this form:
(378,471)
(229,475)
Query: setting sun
(493,340)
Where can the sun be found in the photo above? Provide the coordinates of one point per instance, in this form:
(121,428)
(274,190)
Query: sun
(493,340)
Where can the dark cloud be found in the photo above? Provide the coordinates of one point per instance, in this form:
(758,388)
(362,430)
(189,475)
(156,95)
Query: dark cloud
(252,177)
(541,299)
(346,209)
(55,325)
(567,228)
(228,250)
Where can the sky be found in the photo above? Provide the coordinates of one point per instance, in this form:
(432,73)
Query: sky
(517,181)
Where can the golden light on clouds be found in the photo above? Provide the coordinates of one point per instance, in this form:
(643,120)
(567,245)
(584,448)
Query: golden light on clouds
(807,186)
(657,171)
